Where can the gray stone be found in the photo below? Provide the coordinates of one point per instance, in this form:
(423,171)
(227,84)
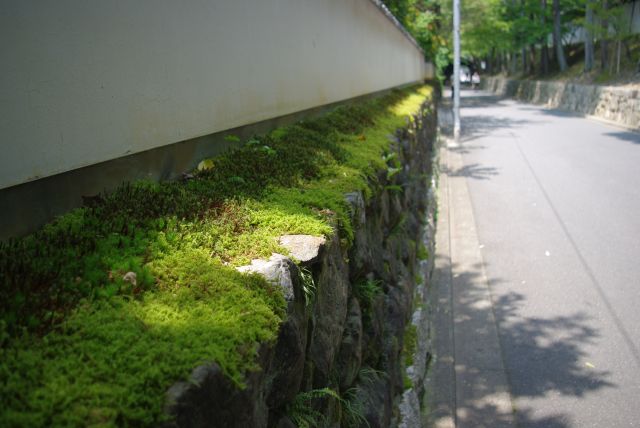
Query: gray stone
(285,422)
(329,312)
(372,331)
(350,355)
(304,248)
(356,208)
(328,342)
(211,399)
(287,366)
(373,397)
(278,270)
(410,416)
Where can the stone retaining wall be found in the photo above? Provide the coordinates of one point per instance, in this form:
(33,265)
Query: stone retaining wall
(619,105)
(349,308)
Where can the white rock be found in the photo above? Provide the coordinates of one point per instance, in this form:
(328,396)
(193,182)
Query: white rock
(303,247)
(130,277)
(276,270)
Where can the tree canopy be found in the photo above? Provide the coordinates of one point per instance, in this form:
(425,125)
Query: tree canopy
(513,35)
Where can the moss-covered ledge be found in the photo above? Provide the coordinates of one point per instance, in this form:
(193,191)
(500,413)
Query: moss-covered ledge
(109,306)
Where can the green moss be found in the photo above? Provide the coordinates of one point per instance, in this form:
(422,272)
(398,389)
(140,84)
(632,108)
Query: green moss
(81,345)
(406,382)
(423,253)
(111,359)
(409,344)
(366,292)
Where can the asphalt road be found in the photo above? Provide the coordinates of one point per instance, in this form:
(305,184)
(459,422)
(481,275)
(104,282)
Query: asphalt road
(556,200)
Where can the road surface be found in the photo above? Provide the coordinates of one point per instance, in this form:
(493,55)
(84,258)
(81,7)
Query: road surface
(542,253)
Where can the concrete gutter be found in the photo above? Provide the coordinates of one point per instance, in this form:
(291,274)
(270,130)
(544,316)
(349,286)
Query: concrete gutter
(468,384)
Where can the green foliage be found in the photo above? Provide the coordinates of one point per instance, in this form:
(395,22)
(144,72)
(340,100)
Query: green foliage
(410,342)
(367,291)
(301,410)
(423,253)
(406,382)
(232,138)
(422,19)
(409,346)
(308,285)
(110,360)
(302,413)
(83,343)
(352,406)
(368,375)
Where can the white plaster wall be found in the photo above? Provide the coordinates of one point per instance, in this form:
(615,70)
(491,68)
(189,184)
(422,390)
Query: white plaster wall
(85,81)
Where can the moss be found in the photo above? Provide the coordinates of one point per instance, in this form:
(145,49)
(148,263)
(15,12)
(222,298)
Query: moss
(111,359)
(366,292)
(410,344)
(406,382)
(83,346)
(423,252)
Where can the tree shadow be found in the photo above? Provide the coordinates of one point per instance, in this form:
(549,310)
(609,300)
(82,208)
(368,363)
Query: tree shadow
(479,126)
(493,418)
(475,171)
(547,111)
(474,99)
(542,356)
(553,349)
(481,100)
(474,126)
(629,136)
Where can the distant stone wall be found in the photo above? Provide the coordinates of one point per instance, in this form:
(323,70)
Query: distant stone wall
(619,105)
(341,333)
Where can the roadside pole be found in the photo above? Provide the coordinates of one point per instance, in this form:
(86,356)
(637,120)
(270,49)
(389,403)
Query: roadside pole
(456,69)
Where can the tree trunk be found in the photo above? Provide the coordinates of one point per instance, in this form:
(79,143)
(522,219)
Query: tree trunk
(532,59)
(523,50)
(557,36)
(493,61)
(544,58)
(604,44)
(618,57)
(544,50)
(588,37)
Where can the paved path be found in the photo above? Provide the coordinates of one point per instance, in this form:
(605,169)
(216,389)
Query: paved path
(538,271)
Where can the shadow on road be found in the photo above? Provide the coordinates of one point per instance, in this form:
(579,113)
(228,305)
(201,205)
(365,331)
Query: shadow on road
(479,126)
(544,357)
(554,348)
(474,126)
(475,171)
(548,111)
(631,137)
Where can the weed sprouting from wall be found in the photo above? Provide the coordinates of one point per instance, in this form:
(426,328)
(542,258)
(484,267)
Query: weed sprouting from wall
(308,285)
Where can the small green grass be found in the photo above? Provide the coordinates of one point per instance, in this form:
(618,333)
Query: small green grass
(82,345)
(410,344)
